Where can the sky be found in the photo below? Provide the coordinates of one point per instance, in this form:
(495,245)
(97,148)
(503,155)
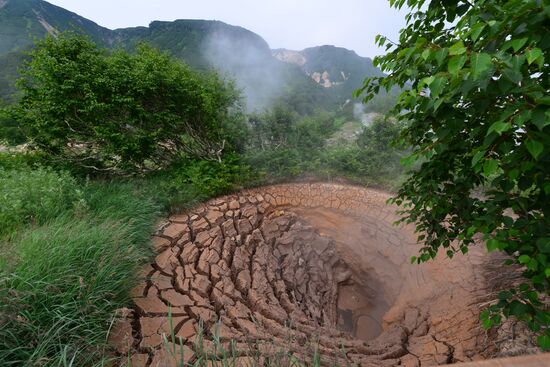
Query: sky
(291,24)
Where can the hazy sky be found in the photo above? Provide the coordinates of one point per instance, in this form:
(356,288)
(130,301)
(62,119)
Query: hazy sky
(292,24)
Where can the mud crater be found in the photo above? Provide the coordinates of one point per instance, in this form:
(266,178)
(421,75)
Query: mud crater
(304,266)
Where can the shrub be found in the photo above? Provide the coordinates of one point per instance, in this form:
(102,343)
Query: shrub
(122,113)
(10,131)
(210,178)
(34,195)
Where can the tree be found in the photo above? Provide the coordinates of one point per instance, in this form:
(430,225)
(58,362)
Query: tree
(478,120)
(120,112)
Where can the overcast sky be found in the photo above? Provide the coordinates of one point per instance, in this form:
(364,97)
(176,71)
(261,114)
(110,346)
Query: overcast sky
(292,24)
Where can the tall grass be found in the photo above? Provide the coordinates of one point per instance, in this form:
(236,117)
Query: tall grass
(63,276)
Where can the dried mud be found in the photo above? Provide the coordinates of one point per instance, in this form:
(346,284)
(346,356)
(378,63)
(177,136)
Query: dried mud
(305,267)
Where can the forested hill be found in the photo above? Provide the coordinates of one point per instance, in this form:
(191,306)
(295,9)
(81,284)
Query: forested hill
(238,52)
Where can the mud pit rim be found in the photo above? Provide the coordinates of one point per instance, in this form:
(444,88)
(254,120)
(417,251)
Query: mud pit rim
(417,329)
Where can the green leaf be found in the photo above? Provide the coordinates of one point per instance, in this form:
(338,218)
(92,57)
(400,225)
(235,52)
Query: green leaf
(518,44)
(518,309)
(543,244)
(490,167)
(409,161)
(533,265)
(504,295)
(499,127)
(534,147)
(476,31)
(524,259)
(480,62)
(457,49)
(533,54)
(544,100)
(426,54)
(441,55)
(428,80)
(456,63)
(437,85)
(485,319)
(513,174)
(541,117)
(544,342)
(513,75)
(477,157)
(493,245)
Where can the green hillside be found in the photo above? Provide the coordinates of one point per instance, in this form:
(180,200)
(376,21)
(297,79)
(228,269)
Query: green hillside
(9,64)
(21,21)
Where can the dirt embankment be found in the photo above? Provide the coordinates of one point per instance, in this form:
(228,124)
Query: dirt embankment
(307,267)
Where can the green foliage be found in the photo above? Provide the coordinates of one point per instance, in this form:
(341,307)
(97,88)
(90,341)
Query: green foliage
(119,112)
(285,146)
(10,131)
(384,102)
(34,196)
(282,128)
(67,279)
(212,178)
(479,119)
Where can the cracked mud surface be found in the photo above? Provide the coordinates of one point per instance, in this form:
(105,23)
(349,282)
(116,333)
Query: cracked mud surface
(306,266)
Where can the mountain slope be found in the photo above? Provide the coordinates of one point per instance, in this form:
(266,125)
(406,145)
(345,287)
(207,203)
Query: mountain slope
(195,41)
(21,21)
(233,50)
(9,63)
(338,69)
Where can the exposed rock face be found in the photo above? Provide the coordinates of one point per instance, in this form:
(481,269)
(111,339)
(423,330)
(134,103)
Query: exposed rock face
(47,26)
(290,56)
(324,79)
(305,267)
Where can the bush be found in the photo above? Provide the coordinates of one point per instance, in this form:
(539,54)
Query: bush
(35,196)
(122,113)
(10,131)
(208,178)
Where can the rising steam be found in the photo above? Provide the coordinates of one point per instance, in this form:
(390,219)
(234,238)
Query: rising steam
(261,78)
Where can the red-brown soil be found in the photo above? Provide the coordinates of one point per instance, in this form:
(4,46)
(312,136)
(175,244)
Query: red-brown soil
(307,267)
